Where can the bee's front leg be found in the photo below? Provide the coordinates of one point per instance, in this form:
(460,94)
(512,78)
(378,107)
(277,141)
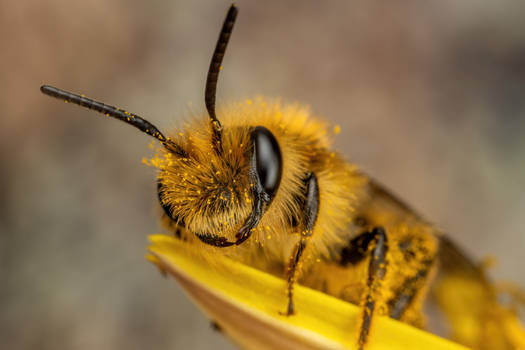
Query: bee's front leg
(292,272)
(310,210)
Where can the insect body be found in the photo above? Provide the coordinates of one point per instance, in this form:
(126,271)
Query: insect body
(258,182)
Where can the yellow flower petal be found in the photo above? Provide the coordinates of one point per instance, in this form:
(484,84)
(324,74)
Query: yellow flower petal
(245,302)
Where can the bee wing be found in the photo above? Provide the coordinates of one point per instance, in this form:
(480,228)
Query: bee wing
(452,260)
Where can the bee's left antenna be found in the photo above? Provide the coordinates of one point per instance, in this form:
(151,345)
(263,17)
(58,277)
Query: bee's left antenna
(110,111)
(213,73)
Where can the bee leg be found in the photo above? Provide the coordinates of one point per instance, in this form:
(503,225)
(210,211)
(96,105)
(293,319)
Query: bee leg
(376,274)
(292,270)
(310,210)
(416,253)
(412,288)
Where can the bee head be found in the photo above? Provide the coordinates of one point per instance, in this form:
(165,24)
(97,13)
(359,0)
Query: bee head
(220,196)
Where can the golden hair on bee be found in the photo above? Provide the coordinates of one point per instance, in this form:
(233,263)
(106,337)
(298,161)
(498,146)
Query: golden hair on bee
(211,193)
(258,181)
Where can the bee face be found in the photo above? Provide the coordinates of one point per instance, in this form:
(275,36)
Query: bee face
(221,189)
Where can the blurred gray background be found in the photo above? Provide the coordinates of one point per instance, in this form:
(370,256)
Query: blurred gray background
(429,95)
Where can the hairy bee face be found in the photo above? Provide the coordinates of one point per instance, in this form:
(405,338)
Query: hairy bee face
(227,189)
(254,183)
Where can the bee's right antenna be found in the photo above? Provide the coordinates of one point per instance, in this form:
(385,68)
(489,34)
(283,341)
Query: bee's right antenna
(213,75)
(117,113)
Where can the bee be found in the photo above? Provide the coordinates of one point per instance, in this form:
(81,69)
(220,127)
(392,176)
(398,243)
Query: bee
(258,182)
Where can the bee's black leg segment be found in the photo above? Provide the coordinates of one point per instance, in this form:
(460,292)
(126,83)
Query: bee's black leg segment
(405,297)
(376,274)
(310,210)
(292,269)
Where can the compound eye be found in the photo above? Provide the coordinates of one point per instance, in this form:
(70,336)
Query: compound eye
(268,160)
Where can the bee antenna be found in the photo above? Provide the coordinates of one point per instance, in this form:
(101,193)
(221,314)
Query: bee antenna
(110,111)
(213,73)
